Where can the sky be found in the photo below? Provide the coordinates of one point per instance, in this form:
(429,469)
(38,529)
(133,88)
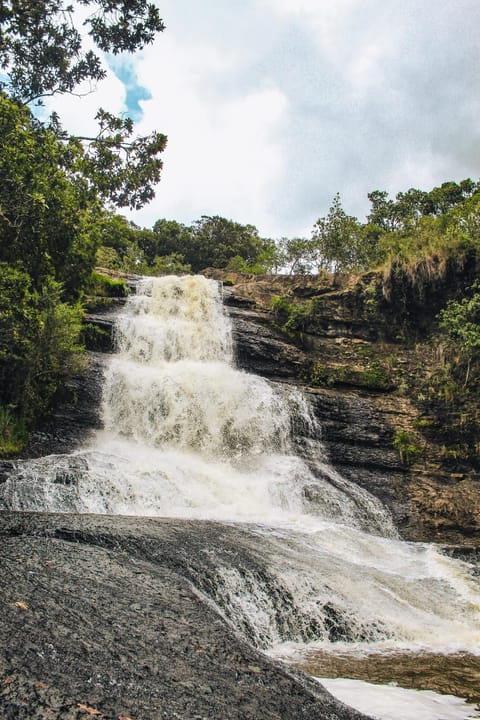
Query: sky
(271,107)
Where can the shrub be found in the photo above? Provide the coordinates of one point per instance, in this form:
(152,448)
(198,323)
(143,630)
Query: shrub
(295,316)
(104,286)
(407,449)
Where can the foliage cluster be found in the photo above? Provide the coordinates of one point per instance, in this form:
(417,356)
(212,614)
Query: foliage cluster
(104,286)
(406,446)
(453,388)
(375,376)
(171,247)
(55,189)
(39,343)
(293,317)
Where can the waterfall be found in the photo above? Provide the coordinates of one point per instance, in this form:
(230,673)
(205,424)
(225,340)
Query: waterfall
(187,435)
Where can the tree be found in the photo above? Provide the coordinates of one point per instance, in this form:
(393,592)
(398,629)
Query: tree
(460,321)
(116,232)
(42,54)
(169,237)
(402,212)
(116,168)
(41,50)
(172,264)
(54,187)
(442,199)
(382,213)
(338,239)
(408,207)
(39,344)
(208,242)
(298,255)
(216,240)
(47,218)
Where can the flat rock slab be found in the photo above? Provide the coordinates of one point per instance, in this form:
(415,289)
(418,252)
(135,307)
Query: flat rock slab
(97,622)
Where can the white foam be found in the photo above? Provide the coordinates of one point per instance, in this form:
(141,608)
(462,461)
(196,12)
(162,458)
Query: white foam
(387,702)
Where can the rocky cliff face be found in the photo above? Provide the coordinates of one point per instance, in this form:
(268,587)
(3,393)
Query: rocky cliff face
(360,385)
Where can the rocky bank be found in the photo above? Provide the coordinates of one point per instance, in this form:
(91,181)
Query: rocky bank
(361,380)
(101,617)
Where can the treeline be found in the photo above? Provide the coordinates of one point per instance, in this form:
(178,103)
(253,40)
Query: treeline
(413,225)
(172,247)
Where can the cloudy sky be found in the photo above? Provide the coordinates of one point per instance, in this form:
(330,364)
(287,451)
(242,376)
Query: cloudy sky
(273,106)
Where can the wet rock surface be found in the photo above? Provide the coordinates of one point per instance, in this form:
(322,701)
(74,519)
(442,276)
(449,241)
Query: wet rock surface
(99,619)
(259,345)
(359,417)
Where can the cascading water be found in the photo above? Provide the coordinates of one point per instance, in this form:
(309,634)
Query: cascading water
(187,435)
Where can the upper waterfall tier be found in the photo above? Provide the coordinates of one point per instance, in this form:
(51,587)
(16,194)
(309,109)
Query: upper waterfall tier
(175,318)
(172,383)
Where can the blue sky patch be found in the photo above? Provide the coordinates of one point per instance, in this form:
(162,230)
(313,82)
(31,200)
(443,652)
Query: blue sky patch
(135,93)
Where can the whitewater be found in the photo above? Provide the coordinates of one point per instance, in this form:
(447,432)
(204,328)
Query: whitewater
(187,435)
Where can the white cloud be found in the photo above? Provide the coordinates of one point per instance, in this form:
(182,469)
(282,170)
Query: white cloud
(272,106)
(225,153)
(78,113)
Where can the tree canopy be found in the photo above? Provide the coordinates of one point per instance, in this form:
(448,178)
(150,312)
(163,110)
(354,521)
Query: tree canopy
(43,53)
(408,207)
(47,216)
(42,50)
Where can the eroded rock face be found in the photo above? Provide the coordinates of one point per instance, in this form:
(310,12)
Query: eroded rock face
(98,613)
(259,345)
(359,414)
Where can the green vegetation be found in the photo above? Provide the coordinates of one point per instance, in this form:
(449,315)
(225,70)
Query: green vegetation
(374,377)
(453,388)
(104,286)
(53,191)
(407,449)
(173,248)
(13,434)
(39,343)
(42,53)
(293,317)
(460,321)
(416,235)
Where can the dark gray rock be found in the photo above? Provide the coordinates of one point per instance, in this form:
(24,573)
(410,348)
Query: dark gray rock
(99,613)
(76,415)
(356,434)
(262,349)
(98,332)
